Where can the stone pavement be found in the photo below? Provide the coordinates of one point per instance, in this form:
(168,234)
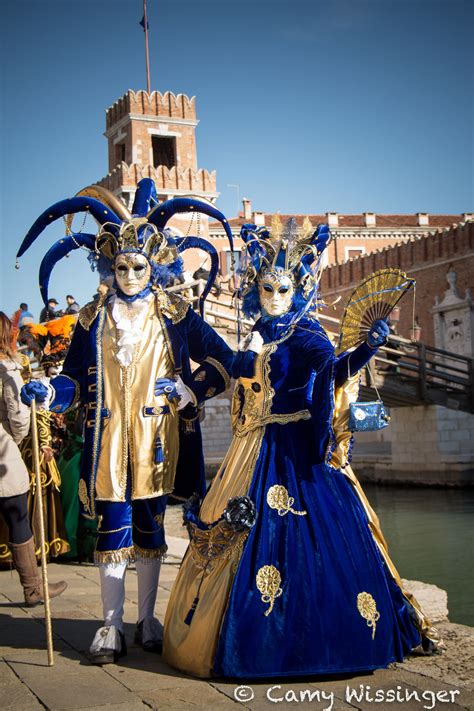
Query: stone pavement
(143,681)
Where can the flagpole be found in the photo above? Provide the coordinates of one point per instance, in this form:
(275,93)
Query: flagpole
(145,22)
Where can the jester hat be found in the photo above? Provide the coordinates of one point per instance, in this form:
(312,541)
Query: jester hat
(141,231)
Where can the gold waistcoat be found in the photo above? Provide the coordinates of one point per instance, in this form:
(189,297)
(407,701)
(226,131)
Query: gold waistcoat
(129,434)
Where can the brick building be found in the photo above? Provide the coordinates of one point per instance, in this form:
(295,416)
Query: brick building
(353,235)
(154,135)
(427,258)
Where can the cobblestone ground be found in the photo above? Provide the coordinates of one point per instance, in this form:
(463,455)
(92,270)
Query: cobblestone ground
(143,681)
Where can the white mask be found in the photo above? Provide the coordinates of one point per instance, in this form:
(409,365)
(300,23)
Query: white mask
(276,291)
(132,273)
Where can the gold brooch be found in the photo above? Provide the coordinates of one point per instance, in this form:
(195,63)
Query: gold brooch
(368,609)
(268,581)
(279,499)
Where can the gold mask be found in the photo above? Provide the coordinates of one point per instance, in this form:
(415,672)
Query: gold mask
(276,290)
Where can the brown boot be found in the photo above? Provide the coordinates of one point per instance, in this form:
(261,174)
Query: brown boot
(24,559)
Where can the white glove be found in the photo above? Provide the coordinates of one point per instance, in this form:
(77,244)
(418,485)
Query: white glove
(186,395)
(252,342)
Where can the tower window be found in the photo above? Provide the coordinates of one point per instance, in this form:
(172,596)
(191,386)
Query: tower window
(164,151)
(119,152)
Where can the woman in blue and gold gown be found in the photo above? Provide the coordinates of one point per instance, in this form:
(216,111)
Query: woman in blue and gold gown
(287,572)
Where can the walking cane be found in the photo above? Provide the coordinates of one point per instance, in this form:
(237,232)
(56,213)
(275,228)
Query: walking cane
(39,502)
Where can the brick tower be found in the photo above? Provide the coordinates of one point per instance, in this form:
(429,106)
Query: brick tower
(153,136)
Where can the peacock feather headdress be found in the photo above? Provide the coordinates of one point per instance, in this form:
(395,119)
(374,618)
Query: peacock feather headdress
(283,251)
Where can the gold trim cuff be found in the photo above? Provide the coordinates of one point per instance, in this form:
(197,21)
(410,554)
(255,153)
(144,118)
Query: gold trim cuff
(220,369)
(151,552)
(122,555)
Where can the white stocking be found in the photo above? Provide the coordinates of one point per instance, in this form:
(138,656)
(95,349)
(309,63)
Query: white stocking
(148,573)
(112,587)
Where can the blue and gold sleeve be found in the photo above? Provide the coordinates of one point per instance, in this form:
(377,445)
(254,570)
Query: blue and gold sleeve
(214,356)
(70,384)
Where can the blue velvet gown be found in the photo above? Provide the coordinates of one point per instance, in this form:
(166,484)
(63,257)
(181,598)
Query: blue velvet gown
(311,593)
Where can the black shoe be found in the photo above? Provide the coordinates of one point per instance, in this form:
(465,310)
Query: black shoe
(151,645)
(109,656)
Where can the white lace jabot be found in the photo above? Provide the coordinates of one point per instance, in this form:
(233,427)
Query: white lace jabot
(129,317)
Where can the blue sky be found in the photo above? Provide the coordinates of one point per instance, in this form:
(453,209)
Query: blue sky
(324,105)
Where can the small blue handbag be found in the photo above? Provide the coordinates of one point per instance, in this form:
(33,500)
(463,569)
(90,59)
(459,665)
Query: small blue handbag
(368,416)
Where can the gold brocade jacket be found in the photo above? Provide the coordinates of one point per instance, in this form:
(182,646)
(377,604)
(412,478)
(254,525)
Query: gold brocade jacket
(125,422)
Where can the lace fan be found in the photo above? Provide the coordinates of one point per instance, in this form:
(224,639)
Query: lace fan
(373,299)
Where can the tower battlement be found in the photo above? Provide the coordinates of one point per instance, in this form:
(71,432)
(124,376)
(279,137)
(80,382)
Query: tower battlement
(173,181)
(141,103)
(153,135)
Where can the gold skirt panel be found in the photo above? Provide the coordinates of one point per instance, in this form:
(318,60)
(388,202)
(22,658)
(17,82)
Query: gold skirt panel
(192,648)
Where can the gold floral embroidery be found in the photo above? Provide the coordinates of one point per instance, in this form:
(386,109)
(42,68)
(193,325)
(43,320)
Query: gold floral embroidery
(173,306)
(368,609)
(83,497)
(210,392)
(279,499)
(268,581)
(250,408)
(200,376)
(88,313)
(242,430)
(208,545)
(159,519)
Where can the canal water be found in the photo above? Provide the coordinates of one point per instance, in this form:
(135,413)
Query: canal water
(430,534)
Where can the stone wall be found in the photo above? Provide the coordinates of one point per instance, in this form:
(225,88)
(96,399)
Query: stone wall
(216,430)
(430,446)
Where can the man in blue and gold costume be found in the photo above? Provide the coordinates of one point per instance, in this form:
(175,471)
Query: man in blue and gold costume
(129,365)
